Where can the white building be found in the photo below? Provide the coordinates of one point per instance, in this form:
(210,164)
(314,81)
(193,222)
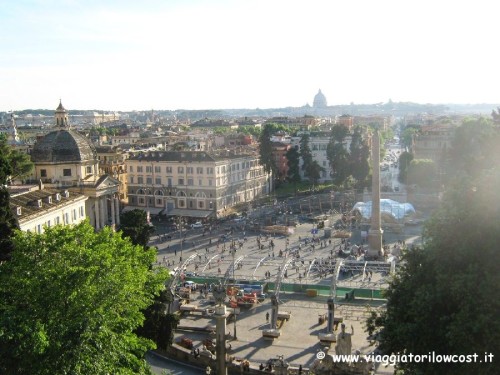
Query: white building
(36,209)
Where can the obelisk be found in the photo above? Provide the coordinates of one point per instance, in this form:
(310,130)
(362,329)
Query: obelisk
(375,233)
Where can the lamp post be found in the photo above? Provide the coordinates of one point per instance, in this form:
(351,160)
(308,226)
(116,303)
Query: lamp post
(182,239)
(236,308)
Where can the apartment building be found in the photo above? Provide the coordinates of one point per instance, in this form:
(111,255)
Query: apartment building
(194,183)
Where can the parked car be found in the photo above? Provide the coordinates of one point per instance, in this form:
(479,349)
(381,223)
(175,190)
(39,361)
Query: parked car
(198,224)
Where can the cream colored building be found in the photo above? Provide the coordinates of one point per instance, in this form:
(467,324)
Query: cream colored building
(66,159)
(42,208)
(194,183)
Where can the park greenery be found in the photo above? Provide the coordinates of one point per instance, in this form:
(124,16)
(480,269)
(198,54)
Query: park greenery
(159,325)
(445,297)
(71,300)
(135,226)
(13,164)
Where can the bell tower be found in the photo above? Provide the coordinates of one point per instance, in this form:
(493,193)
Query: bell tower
(61,116)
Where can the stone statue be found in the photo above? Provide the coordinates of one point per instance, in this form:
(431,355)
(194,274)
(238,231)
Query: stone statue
(219,292)
(344,345)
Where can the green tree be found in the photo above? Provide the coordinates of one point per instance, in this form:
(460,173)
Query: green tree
(445,298)
(70,300)
(13,164)
(19,162)
(359,158)
(266,149)
(404,163)
(422,172)
(314,172)
(293,160)
(474,147)
(338,156)
(134,224)
(305,153)
(408,134)
(159,326)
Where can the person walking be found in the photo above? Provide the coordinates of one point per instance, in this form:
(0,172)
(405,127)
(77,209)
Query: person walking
(267,317)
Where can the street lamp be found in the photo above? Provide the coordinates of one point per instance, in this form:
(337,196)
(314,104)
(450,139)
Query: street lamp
(236,308)
(182,239)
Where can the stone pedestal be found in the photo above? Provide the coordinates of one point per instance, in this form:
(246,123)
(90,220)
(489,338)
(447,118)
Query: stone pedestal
(220,341)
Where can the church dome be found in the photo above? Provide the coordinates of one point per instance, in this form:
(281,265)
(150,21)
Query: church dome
(61,146)
(319,100)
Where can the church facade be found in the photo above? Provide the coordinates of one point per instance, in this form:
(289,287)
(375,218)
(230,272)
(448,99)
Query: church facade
(65,159)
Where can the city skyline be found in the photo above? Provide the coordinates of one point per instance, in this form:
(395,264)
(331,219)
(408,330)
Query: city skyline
(124,55)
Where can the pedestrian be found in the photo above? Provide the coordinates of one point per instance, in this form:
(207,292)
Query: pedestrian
(267,317)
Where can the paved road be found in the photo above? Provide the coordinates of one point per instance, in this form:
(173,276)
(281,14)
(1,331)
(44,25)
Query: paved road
(299,341)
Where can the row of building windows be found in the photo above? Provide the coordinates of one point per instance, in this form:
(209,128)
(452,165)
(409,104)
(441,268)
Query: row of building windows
(158,181)
(67,218)
(66,172)
(191,170)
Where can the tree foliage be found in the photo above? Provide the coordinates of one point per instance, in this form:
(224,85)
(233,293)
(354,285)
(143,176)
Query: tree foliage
(404,163)
(359,158)
(70,300)
(338,156)
(474,147)
(159,326)
(134,224)
(446,297)
(266,148)
(293,160)
(8,223)
(422,172)
(14,164)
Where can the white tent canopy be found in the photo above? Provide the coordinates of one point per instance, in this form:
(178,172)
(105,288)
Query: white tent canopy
(388,207)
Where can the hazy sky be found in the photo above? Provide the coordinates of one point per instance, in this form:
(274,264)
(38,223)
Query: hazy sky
(172,54)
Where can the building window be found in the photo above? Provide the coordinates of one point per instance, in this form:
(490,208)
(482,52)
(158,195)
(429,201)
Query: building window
(169,182)
(200,182)
(43,173)
(149,169)
(158,181)
(159,201)
(181,203)
(149,180)
(140,180)
(210,182)
(180,169)
(199,170)
(190,204)
(89,170)
(169,169)
(81,212)
(139,169)
(66,172)
(189,170)
(190,182)
(141,200)
(157,169)
(131,179)
(200,204)
(131,168)
(181,181)
(57,220)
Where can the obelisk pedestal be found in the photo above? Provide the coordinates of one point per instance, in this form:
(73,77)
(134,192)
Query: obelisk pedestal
(220,341)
